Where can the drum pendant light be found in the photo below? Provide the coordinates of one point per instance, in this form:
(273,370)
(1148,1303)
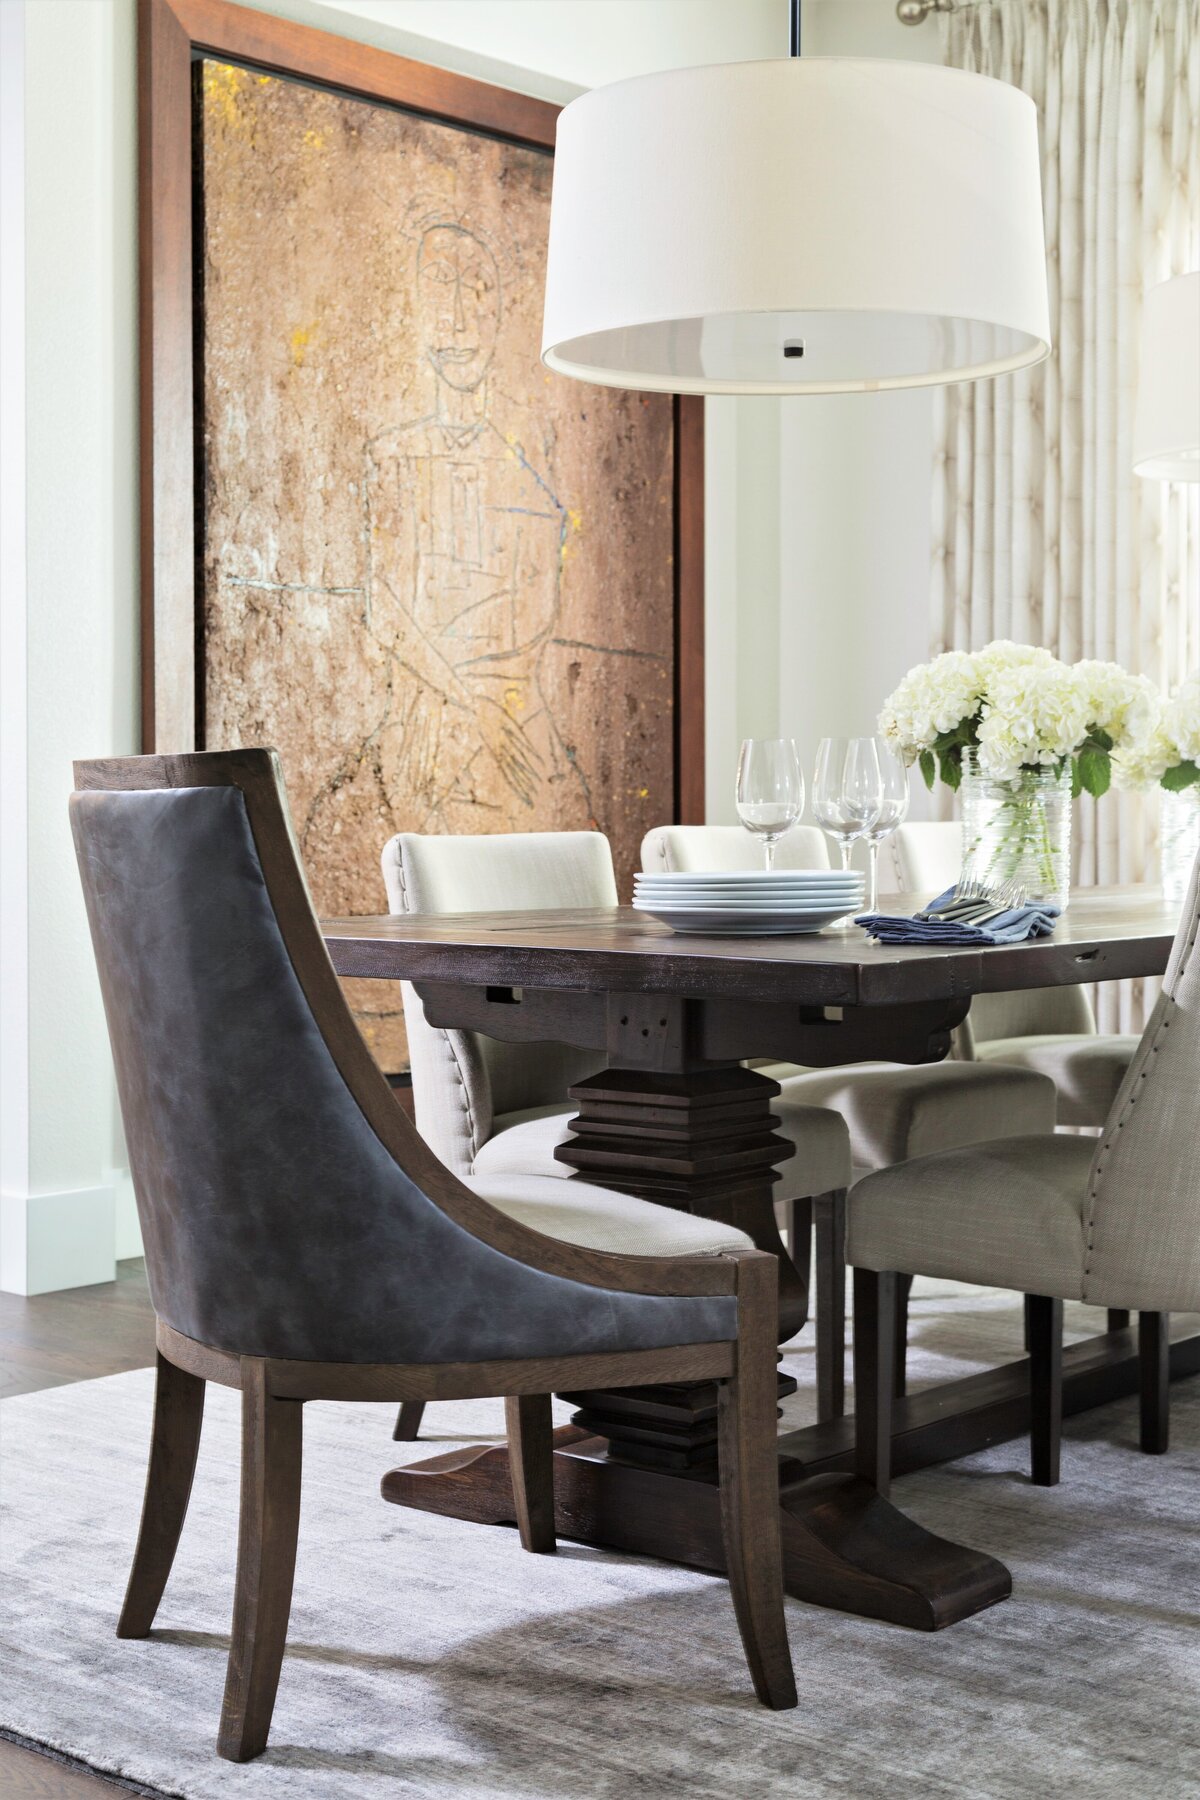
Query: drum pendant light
(805,225)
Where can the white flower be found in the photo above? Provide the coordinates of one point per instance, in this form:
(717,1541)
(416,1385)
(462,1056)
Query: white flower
(1143,764)
(1182,720)
(1034,715)
(1001,655)
(1125,706)
(932,698)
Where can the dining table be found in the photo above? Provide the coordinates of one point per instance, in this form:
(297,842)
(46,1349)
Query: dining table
(678,1117)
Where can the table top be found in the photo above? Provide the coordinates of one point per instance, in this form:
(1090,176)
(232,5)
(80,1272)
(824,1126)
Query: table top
(1106,934)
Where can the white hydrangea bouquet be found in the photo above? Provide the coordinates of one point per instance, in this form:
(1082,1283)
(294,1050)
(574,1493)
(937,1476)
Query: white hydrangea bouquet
(1168,755)
(1018,709)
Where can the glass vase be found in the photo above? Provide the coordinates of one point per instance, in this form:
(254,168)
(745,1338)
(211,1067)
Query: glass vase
(1179,841)
(1017,834)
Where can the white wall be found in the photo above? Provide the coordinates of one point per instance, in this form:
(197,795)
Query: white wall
(69,625)
(77,613)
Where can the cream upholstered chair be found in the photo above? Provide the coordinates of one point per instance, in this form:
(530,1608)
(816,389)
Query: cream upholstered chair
(893,1110)
(494,1110)
(1114,1223)
(1051,1030)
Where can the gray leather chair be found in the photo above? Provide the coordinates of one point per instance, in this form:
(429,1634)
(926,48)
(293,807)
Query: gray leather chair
(893,1111)
(303,1242)
(1115,1223)
(492,1109)
(1049,1030)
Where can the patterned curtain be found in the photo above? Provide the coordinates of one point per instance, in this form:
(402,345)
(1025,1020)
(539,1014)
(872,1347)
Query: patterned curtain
(1041,531)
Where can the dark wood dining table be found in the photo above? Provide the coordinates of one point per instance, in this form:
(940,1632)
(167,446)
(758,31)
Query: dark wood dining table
(677,1118)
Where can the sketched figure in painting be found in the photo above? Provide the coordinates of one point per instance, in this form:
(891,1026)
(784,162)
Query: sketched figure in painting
(465,551)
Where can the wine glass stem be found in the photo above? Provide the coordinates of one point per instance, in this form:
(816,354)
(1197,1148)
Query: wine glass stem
(770,853)
(873,878)
(844,845)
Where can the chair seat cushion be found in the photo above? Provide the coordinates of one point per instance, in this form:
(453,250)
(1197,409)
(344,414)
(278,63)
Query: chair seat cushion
(820,1161)
(1086,1070)
(895,1111)
(1004,1214)
(601,1219)
(523,1143)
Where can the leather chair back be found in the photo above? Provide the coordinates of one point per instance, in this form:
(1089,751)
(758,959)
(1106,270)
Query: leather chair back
(704,848)
(288,1207)
(462,1081)
(1142,1218)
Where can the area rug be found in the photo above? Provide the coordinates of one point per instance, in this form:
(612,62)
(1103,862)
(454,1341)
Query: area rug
(430,1657)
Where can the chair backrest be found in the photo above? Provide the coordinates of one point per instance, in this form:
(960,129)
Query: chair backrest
(708,847)
(462,1080)
(925,854)
(288,1207)
(1142,1236)
(927,858)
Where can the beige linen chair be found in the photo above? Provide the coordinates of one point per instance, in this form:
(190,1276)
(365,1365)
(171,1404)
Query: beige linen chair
(894,1111)
(1050,1030)
(1115,1223)
(490,1109)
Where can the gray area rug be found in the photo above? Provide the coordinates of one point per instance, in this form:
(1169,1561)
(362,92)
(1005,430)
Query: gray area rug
(430,1657)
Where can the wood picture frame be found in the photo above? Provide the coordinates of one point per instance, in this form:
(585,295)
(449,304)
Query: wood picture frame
(172,35)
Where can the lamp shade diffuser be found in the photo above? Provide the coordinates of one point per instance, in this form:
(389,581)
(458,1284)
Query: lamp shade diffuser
(811,224)
(1166,420)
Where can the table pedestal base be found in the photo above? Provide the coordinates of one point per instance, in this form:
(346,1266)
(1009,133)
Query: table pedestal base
(842,1545)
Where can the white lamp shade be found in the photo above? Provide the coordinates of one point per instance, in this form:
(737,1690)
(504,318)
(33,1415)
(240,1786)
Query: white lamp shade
(885,217)
(1166,421)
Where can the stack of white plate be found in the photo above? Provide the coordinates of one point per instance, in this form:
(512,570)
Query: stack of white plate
(750,902)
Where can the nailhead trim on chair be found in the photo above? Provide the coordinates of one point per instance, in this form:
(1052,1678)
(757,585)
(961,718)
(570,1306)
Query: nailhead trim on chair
(449,1043)
(1131,1099)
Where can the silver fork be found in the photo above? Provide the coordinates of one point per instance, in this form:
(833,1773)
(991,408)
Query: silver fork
(977,902)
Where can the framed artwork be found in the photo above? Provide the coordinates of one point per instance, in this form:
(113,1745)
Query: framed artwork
(457,592)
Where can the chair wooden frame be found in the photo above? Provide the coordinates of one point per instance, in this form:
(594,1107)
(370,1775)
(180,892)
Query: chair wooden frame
(880,1336)
(273,1390)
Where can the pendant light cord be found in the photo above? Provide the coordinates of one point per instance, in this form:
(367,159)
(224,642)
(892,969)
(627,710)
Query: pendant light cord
(795,33)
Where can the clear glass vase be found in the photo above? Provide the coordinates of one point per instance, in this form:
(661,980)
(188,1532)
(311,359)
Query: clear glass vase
(1179,841)
(1017,834)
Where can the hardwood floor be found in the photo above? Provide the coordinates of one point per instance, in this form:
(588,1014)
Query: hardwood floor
(44,1342)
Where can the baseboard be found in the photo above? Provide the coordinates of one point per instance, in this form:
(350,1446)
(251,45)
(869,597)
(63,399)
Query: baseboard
(127,1231)
(54,1241)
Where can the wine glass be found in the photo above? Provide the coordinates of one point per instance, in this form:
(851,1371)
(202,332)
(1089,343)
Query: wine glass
(847,790)
(893,809)
(770,790)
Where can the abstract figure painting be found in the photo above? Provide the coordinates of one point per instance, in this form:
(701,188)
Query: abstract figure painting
(442,581)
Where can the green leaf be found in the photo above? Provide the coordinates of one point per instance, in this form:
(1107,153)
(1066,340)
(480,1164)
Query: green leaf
(928,768)
(1183,775)
(950,766)
(1076,779)
(1095,770)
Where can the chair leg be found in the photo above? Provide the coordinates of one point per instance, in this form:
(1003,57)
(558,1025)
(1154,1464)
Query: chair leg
(1154,1365)
(799,1235)
(408,1421)
(749,1476)
(900,1337)
(270,1516)
(874,1377)
(1045,1387)
(1118,1318)
(829,1211)
(174,1441)
(531,1459)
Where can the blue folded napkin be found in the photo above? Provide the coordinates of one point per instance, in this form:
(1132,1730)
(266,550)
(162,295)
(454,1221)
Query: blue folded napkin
(1013,926)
